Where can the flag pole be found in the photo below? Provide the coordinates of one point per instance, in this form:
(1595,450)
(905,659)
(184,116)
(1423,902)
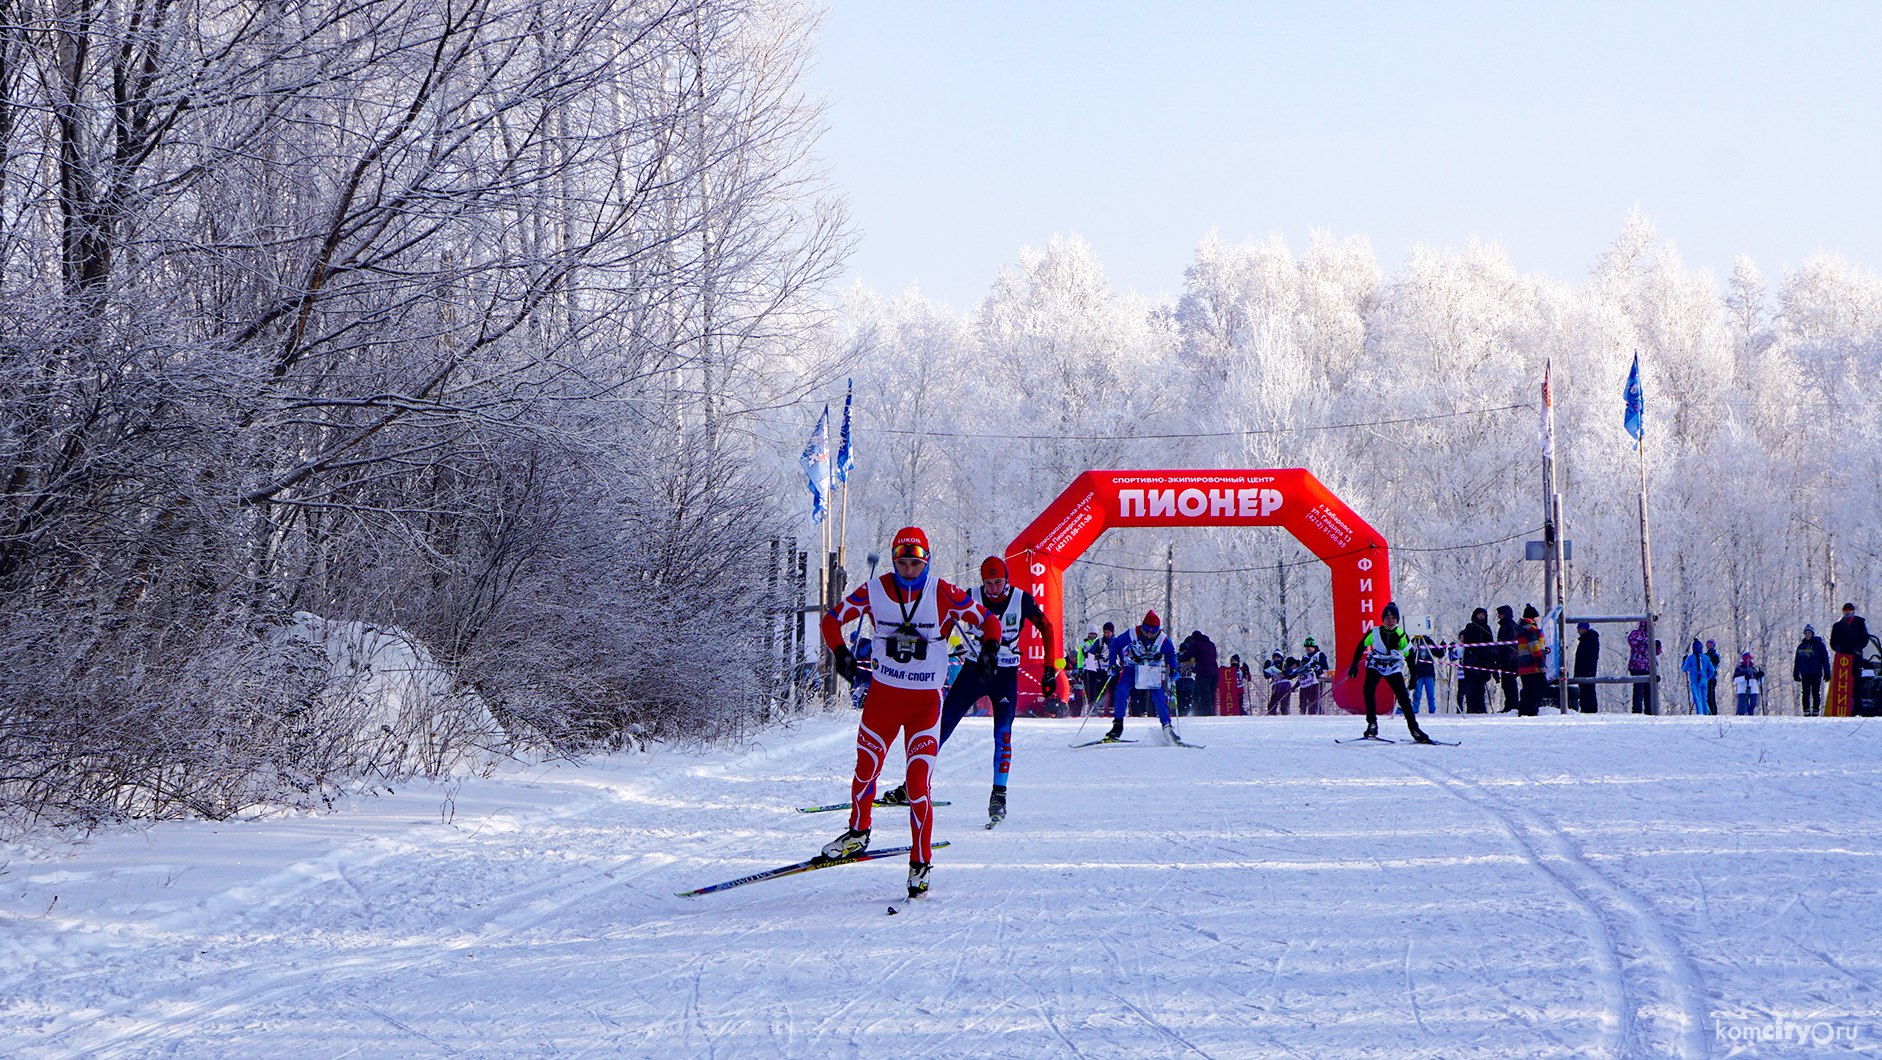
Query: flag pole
(842,466)
(1646,582)
(1636,407)
(1555,591)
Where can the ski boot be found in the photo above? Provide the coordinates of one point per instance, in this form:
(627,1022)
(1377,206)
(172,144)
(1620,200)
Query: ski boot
(896,796)
(1169,733)
(847,845)
(996,804)
(1117,730)
(1419,736)
(917,879)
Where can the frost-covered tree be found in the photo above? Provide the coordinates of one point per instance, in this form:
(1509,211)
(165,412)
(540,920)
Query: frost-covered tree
(366,310)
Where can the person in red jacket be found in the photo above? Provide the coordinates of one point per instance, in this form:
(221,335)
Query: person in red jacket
(1529,656)
(913,614)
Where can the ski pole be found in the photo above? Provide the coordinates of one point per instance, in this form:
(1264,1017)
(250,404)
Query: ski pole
(1103,697)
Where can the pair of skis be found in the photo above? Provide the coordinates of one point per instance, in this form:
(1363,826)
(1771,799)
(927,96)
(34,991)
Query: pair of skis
(1175,741)
(878,804)
(1382,739)
(807,865)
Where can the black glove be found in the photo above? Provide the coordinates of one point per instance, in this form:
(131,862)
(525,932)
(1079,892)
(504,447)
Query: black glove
(1049,680)
(1352,672)
(989,657)
(843,663)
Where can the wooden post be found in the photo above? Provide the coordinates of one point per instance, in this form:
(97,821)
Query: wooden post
(1169,590)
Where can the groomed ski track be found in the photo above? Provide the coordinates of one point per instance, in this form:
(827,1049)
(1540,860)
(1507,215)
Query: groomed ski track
(1557,887)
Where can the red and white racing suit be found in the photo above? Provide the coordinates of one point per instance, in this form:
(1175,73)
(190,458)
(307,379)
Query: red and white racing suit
(911,659)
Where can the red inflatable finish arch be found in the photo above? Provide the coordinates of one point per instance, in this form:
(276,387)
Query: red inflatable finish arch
(1291,498)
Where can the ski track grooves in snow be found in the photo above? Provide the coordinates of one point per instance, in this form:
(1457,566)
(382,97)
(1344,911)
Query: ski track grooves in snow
(134,1028)
(1617,916)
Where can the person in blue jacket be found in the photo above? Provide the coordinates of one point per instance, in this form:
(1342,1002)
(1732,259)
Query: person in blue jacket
(1699,674)
(1143,660)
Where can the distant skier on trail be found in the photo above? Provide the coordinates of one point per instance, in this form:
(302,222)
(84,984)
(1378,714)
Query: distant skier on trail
(1386,651)
(1013,607)
(1311,679)
(913,616)
(1142,659)
(1810,667)
(1280,683)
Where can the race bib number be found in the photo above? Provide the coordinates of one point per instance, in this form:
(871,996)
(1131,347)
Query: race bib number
(1149,675)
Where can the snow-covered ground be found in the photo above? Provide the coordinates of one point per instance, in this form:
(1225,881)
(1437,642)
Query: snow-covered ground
(1579,886)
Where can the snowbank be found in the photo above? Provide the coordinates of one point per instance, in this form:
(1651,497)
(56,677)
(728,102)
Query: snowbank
(386,692)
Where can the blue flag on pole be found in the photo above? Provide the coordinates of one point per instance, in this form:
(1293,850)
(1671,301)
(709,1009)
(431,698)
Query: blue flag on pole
(816,465)
(845,456)
(1634,404)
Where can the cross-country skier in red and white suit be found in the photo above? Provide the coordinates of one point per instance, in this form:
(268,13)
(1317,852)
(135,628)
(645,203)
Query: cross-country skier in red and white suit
(913,614)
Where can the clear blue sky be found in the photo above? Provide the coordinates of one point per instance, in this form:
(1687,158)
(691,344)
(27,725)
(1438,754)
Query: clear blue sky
(961,131)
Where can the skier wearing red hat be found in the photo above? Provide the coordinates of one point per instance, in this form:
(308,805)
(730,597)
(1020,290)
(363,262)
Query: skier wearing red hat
(913,615)
(1142,660)
(1013,607)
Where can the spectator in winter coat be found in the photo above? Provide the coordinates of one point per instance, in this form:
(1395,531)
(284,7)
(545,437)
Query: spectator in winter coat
(1849,638)
(1424,673)
(1207,673)
(1712,686)
(1698,670)
(1528,665)
(1587,662)
(1506,657)
(1478,663)
(1747,684)
(1094,662)
(1280,685)
(1642,661)
(1810,667)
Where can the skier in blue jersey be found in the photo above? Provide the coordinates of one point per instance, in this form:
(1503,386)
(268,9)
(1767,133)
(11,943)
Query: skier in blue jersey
(1143,660)
(1016,607)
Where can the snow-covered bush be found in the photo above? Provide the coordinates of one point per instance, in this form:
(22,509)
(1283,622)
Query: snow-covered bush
(386,706)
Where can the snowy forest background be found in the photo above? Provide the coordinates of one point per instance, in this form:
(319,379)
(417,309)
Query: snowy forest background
(1416,396)
(493,331)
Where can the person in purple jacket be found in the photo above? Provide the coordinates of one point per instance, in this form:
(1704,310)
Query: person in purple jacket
(1201,651)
